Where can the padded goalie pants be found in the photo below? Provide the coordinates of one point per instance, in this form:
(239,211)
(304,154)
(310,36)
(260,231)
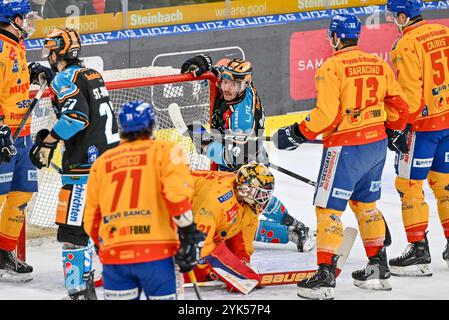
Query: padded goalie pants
(428,158)
(350,174)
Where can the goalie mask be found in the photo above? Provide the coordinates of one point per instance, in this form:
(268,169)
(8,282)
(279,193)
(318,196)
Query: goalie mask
(255,185)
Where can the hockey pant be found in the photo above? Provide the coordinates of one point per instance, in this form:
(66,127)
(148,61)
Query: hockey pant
(13,217)
(428,158)
(158,279)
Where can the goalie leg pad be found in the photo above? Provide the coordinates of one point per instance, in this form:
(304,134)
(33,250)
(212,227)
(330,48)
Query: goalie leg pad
(271,232)
(77,265)
(415,211)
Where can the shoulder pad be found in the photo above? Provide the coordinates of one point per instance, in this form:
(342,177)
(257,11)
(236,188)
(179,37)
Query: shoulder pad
(63,83)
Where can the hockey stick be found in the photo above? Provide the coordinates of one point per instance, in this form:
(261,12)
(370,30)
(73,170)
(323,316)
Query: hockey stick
(316,141)
(27,114)
(292,277)
(194,282)
(178,121)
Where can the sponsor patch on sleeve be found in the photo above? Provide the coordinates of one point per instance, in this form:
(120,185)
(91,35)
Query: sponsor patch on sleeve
(225,197)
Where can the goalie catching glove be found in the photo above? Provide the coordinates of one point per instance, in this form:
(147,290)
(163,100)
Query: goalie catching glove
(288,138)
(41,152)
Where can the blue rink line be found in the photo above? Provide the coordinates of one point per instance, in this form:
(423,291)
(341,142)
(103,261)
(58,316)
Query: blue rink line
(229,24)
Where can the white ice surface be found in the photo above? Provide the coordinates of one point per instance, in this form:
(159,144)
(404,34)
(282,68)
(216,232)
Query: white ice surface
(297,196)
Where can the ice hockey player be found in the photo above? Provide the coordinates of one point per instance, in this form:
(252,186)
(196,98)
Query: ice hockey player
(138,202)
(226,207)
(18,177)
(421,57)
(356,92)
(87,126)
(243,140)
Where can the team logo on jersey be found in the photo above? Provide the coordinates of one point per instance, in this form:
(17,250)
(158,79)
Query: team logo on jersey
(232,213)
(226,196)
(15,66)
(92,154)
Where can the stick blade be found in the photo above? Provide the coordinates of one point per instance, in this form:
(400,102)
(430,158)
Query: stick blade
(176,117)
(349,236)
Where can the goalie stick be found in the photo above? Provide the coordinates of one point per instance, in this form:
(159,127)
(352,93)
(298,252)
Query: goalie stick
(292,277)
(178,121)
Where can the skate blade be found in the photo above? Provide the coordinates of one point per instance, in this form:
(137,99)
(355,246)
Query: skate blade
(11,276)
(447,261)
(316,294)
(417,270)
(374,284)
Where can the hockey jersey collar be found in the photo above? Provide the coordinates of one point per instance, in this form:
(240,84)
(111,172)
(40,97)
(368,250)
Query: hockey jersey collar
(413,26)
(347,49)
(8,36)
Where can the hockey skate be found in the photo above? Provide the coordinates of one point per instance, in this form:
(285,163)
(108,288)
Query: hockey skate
(376,274)
(321,285)
(302,236)
(13,269)
(414,261)
(86,294)
(446,253)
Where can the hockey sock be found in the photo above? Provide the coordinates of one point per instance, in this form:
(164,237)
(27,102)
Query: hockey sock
(12,219)
(77,265)
(329,234)
(271,232)
(415,211)
(439,182)
(371,226)
(276,211)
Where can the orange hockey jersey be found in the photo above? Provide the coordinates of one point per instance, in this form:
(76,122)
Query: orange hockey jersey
(219,214)
(421,57)
(133,192)
(357,95)
(14,82)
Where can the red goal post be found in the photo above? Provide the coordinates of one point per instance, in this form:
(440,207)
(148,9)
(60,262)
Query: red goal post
(194,95)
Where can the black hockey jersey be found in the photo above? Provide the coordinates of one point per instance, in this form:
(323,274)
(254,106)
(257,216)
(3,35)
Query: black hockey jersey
(86,121)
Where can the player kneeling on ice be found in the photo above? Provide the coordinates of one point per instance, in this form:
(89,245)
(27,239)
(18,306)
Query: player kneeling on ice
(358,98)
(238,123)
(138,203)
(87,127)
(227,207)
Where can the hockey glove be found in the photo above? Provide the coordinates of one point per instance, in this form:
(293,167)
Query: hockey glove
(7,148)
(397,140)
(41,152)
(201,138)
(36,69)
(288,138)
(197,65)
(192,240)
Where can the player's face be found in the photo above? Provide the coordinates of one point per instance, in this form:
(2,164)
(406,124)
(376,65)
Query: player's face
(230,89)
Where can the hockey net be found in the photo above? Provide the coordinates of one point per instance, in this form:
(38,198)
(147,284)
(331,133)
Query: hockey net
(159,86)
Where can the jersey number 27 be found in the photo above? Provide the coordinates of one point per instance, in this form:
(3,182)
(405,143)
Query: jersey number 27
(106,110)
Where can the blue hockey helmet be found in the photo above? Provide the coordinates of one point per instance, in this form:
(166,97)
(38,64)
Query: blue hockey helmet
(9,10)
(136,116)
(411,8)
(345,25)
